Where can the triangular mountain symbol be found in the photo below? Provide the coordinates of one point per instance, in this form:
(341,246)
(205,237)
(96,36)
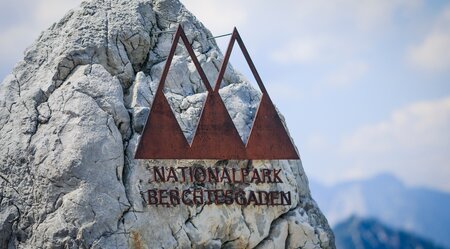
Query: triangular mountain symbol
(161,132)
(216,136)
(162,136)
(268,137)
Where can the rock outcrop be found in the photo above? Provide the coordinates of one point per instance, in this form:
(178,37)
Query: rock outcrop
(71,114)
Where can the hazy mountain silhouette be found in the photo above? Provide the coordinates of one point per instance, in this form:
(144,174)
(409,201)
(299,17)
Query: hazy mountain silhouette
(419,210)
(359,233)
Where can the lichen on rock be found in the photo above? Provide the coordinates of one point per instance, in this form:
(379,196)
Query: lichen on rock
(71,114)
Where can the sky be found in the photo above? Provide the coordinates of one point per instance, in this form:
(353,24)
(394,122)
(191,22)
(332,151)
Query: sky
(364,85)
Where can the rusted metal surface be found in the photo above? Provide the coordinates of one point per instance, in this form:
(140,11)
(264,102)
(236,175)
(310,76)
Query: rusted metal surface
(216,136)
(268,137)
(162,137)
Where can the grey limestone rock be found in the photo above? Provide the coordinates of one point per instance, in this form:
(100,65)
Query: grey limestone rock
(71,114)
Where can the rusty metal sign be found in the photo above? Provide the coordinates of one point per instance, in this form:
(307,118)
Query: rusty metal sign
(216,136)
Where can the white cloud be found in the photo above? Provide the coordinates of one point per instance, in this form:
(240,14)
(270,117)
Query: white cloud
(300,51)
(218,16)
(371,14)
(36,16)
(433,53)
(49,11)
(413,144)
(347,74)
(316,49)
(284,91)
(13,39)
(318,142)
(365,15)
(421,124)
(297,26)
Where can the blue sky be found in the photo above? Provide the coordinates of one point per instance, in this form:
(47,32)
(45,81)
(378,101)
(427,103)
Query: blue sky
(364,85)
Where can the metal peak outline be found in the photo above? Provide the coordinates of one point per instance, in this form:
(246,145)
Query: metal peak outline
(216,136)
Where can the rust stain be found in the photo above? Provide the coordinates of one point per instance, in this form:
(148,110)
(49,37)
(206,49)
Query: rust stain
(136,242)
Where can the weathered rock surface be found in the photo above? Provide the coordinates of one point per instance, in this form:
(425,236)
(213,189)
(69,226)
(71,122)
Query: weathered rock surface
(71,114)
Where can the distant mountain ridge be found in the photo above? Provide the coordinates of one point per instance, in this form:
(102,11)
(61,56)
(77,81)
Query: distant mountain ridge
(384,197)
(358,233)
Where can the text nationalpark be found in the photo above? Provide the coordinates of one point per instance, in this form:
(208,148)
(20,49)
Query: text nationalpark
(234,179)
